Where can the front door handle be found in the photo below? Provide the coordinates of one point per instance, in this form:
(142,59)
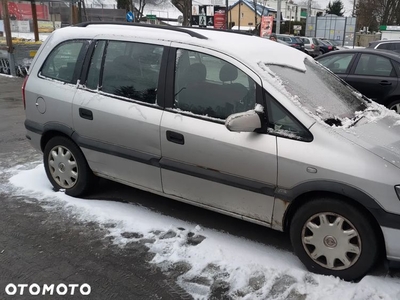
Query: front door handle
(85,114)
(385,82)
(175,137)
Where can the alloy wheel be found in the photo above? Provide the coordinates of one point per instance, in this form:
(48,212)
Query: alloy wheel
(331,241)
(63,167)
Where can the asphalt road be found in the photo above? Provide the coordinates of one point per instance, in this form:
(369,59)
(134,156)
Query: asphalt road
(37,246)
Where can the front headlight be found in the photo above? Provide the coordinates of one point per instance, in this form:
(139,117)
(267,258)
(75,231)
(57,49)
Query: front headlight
(397,189)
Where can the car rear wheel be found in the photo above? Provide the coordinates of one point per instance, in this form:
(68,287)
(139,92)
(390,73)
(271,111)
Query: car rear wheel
(395,105)
(332,237)
(66,167)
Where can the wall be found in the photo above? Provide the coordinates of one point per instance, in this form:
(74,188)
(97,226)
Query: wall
(363,39)
(248,15)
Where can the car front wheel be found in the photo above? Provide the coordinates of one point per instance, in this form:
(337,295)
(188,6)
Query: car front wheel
(66,167)
(332,237)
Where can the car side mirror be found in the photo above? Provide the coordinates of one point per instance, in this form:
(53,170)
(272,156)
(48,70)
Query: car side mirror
(247,121)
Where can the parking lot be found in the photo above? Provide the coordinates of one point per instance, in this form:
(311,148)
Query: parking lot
(50,239)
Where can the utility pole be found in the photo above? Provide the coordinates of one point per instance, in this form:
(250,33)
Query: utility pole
(309,8)
(278,17)
(7,30)
(226,14)
(34,21)
(240,2)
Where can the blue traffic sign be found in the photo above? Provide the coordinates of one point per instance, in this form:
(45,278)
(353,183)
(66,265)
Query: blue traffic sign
(130,16)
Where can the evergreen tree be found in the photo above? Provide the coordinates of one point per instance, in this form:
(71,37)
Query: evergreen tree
(335,8)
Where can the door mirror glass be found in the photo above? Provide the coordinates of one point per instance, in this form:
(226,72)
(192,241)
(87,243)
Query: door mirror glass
(247,121)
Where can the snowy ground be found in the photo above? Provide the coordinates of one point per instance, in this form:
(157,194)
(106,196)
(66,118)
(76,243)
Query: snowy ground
(209,258)
(29,35)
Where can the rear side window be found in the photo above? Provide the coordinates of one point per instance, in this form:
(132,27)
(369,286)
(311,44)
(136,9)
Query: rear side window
(386,46)
(305,41)
(64,62)
(131,70)
(374,65)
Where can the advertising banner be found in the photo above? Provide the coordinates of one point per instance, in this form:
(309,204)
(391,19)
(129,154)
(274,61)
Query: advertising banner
(23,11)
(219,19)
(267,22)
(20,26)
(48,26)
(205,16)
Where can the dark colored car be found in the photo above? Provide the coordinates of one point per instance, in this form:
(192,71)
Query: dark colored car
(376,74)
(293,41)
(324,46)
(391,45)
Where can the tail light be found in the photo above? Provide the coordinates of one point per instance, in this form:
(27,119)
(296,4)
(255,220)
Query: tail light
(329,47)
(312,46)
(23,91)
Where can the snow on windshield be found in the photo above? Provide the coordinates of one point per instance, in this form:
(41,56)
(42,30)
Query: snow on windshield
(323,95)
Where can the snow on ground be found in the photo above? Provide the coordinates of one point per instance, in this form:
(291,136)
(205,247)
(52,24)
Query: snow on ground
(248,269)
(5,75)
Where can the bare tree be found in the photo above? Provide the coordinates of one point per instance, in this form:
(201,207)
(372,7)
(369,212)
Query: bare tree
(184,6)
(372,13)
(139,5)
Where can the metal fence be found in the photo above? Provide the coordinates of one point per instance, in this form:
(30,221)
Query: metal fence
(332,27)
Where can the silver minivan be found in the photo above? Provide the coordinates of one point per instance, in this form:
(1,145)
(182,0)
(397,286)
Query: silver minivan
(227,122)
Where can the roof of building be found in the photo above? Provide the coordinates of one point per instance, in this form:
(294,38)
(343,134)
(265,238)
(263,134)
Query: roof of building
(262,10)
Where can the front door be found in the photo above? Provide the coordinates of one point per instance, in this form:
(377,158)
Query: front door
(202,161)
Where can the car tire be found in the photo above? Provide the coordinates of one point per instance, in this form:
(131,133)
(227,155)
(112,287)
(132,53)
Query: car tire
(395,105)
(332,237)
(66,167)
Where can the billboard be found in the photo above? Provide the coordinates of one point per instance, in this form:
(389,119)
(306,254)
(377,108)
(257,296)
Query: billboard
(23,11)
(267,22)
(207,16)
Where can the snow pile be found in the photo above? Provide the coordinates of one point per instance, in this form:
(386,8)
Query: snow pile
(215,261)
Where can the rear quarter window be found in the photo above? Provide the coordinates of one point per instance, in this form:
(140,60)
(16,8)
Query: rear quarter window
(65,61)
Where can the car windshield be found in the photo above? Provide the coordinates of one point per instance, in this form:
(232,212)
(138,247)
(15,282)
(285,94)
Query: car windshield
(336,43)
(320,91)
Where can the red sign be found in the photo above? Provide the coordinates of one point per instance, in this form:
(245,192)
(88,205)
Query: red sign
(23,11)
(267,22)
(219,19)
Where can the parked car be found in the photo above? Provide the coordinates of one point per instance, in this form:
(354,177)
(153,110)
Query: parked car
(392,45)
(293,41)
(324,47)
(243,131)
(337,45)
(376,74)
(311,45)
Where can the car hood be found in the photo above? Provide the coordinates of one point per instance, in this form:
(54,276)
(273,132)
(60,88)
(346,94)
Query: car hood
(378,134)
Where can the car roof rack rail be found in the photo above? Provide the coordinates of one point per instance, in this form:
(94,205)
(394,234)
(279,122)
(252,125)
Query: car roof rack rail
(172,28)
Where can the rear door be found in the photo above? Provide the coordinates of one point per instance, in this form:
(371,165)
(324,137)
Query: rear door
(374,76)
(202,162)
(117,111)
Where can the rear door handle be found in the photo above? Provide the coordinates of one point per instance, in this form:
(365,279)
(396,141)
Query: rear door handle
(175,137)
(385,82)
(85,114)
